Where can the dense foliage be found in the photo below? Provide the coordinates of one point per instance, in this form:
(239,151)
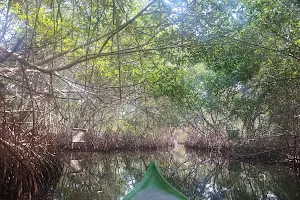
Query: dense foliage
(136,66)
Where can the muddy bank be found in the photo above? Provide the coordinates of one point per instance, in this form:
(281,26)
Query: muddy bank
(263,149)
(108,142)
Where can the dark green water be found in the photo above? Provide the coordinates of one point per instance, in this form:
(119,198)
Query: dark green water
(99,176)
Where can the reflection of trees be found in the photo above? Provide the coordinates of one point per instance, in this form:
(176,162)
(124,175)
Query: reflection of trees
(103,177)
(254,182)
(194,175)
(111,176)
(237,181)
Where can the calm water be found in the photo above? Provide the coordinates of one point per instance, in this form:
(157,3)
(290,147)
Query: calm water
(99,176)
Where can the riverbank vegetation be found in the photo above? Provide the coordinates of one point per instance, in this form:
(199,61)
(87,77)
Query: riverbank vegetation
(125,75)
(26,173)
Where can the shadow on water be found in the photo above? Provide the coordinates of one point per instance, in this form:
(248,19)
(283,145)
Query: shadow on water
(110,176)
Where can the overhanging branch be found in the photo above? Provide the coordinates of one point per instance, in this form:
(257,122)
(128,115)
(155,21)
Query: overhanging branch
(37,65)
(110,35)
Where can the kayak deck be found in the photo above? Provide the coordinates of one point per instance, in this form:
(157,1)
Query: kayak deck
(155,187)
(152,193)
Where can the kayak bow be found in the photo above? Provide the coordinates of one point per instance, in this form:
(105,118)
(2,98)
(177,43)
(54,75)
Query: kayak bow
(155,187)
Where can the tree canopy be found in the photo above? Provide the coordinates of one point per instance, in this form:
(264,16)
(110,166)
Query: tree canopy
(138,61)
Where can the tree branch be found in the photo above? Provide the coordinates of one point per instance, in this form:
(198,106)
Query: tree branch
(84,58)
(110,35)
(88,57)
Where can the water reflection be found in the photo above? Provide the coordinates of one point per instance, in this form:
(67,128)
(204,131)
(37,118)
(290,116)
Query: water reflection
(97,176)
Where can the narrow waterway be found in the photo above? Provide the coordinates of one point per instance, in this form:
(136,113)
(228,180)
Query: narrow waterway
(95,176)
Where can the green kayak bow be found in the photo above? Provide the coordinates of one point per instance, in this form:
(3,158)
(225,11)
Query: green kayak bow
(155,187)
